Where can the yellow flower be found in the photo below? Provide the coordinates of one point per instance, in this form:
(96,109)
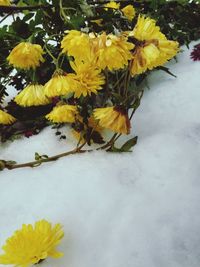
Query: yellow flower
(31,244)
(6,118)
(146,30)
(168,49)
(32,95)
(152,47)
(129,12)
(111,51)
(5,3)
(76,44)
(58,85)
(26,55)
(88,79)
(113,118)
(64,113)
(112,4)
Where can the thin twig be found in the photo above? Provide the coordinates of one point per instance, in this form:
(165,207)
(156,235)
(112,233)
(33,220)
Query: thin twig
(36,163)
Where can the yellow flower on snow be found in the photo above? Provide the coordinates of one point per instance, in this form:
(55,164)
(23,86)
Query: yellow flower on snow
(112,4)
(88,79)
(58,85)
(113,118)
(62,114)
(152,47)
(76,44)
(31,244)
(129,12)
(111,51)
(26,55)
(6,118)
(32,95)
(5,3)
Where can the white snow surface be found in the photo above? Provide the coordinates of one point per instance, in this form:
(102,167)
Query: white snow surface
(138,209)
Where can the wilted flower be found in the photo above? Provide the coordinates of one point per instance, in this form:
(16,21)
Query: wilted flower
(5,3)
(113,118)
(32,95)
(63,113)
(152,47)
(6,118)
(129,12)
(88,78)
(31,244)
(26,55)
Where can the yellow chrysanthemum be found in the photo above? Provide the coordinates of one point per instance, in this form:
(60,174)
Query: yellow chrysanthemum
(6,118)
(32,95)
(88,79)
(113,118)
(111,51)
(26,55)
(112,4)
(62,114)
(168,49)
(31,244)
(152,47)
(5,3)
(146,30)
(76,44)
(58,85)
(129,12)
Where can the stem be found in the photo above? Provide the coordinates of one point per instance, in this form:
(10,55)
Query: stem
(11,9)
(10,13)
(118,80)
(50,54)
(62,12)
(126,82)
(133,111)
(36,163)
(109,143)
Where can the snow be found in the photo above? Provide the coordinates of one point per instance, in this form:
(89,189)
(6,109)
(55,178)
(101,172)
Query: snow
(136,209)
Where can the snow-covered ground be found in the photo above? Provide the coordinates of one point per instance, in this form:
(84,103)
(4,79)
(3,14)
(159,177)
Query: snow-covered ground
(137,209)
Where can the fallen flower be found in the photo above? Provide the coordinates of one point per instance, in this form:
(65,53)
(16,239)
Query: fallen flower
(31,244)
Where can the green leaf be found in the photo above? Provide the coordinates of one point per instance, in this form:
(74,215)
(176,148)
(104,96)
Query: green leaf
(129,144)
(126,147)
(166,70)
(39,157)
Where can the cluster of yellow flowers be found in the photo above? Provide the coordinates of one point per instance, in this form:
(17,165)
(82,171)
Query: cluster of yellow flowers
(32,244)
(139,50)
